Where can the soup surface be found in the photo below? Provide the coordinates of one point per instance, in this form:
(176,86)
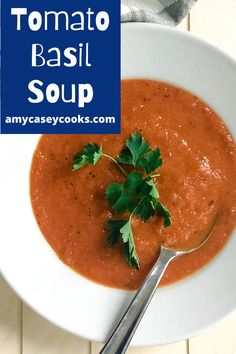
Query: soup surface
(197,180)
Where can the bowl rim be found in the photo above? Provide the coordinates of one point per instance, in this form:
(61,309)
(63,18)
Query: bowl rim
(186,33)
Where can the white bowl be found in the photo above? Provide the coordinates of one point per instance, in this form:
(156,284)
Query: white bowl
(81,306)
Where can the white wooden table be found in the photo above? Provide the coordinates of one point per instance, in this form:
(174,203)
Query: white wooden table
(24,332)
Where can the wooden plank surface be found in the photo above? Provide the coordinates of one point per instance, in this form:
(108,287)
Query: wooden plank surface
(219,340)
(10,320)
(176,348)
(215,20)
(24,332)
(42,337)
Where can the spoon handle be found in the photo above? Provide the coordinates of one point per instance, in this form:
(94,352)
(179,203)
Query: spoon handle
(120,338)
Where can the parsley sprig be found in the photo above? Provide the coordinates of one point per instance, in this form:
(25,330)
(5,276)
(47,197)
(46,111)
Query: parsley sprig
(90,154)
(137,195)
(137,152)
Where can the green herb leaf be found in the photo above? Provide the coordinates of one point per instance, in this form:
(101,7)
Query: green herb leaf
(90,154)
(122,229)
(151,161)
(149,194)
(129,246)
(161,210)
(145,209)
(113,227)
(118,198)
(149,188)
(134,182)
(136,195)
(136,147)
(153,191)
(124,197)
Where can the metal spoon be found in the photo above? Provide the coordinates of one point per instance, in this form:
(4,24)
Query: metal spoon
(120,338)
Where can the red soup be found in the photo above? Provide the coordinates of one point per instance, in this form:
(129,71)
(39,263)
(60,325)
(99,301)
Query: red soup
(197,180)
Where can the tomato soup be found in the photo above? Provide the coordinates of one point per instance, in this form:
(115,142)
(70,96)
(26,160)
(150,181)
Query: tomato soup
(196,182)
